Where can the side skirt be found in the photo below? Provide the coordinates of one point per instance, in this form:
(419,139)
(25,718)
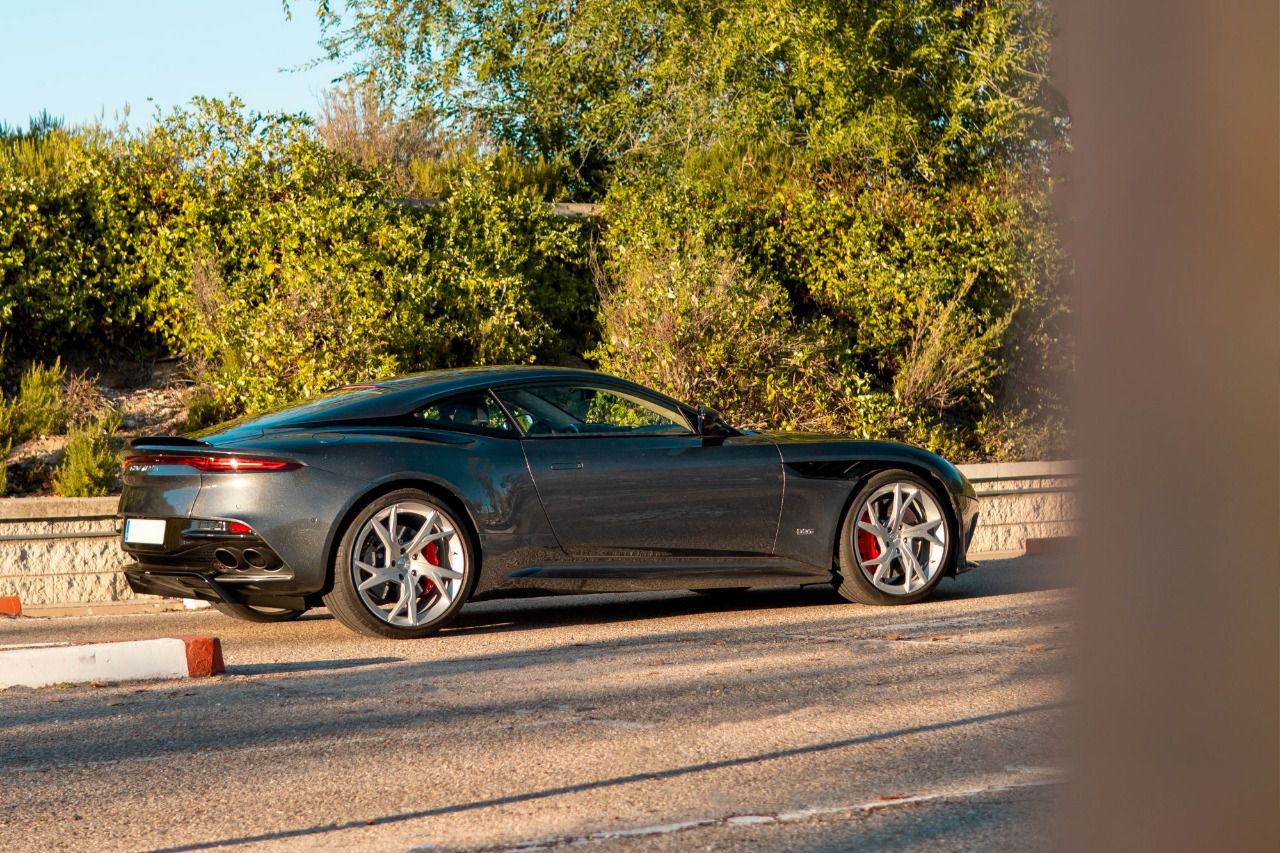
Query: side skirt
(635,577)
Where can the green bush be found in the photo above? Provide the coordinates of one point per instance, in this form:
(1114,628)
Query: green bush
(40,407)
(8,422)
(70,226)
(294,269)
(312,336)
(931,307)
(876,175)
(501,279)
(90,465)
(830,222)
(693,323)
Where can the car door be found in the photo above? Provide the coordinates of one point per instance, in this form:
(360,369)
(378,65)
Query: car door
(622,474)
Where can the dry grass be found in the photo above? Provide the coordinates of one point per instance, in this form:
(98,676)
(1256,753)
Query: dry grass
(355,120)
(948,354)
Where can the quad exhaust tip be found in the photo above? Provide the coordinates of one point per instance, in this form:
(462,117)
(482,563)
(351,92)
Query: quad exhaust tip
(226,557)
(249,558)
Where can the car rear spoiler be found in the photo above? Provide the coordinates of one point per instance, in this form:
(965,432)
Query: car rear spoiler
(167,441)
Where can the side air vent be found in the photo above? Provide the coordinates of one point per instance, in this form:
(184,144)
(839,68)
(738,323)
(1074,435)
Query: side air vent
(831,469)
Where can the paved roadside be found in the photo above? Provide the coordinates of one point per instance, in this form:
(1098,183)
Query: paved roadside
(776,718)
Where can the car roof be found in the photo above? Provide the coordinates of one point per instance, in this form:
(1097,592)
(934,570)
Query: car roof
(434,384)
(391,397)
(465,378)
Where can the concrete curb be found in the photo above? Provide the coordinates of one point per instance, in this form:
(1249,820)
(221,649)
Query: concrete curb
(136,660)
(104,608)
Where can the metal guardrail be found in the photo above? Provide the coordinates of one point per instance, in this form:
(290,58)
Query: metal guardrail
(61,534)
(70,534)
(51,519)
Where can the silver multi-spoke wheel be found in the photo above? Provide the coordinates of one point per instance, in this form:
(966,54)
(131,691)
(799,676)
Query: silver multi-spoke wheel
(900,538)
(409,563)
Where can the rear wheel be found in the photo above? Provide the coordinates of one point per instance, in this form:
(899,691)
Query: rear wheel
(254,613)
(404,567)
(895,542)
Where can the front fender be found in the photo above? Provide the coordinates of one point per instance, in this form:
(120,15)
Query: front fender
(823,473)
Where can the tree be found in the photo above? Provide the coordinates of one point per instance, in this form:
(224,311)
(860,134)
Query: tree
(929,89)
(880,168)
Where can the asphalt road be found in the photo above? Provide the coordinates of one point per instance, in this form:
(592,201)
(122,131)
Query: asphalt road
(774,719)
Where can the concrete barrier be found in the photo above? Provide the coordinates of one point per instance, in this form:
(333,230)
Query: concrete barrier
(44,664)
(1023,500)
(60,553)
(61,550)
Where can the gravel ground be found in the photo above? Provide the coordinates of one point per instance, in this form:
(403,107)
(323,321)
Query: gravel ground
(774,719)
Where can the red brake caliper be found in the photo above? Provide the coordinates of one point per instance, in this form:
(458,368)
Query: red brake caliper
(432,554)
(868,546)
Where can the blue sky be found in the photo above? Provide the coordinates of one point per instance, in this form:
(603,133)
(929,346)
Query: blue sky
(81,60)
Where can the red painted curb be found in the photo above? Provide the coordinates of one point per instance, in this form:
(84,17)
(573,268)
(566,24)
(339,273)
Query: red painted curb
(10,605)
(1056,545)
(204,656)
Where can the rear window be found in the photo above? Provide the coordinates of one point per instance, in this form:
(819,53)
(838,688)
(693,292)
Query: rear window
(475,411)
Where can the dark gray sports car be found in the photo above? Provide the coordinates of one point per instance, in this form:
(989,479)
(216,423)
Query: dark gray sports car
(396,502)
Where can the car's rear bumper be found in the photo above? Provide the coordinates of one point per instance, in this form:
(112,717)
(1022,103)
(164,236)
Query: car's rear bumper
(179,583)
(237,569)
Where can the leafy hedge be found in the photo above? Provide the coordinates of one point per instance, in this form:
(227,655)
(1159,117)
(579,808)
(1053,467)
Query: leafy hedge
(70,219)
(276,265)
(822,212)
(816,214)
(895,308)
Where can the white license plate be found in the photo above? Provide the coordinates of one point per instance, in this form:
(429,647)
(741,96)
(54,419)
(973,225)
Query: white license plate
(144,531)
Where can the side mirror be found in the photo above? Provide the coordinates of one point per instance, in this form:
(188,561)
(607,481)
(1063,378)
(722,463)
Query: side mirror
(710,423)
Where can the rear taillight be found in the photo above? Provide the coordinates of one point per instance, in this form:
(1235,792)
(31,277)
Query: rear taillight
(232,464)
(217,525)
(209,464)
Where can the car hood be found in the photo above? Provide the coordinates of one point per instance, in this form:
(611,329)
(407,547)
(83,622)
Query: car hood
(803,443)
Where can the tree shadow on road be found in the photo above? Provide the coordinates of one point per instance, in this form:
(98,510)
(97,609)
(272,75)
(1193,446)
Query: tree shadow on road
(520,614)
(1010,576)
(995,578)
(283,667)
(616,781)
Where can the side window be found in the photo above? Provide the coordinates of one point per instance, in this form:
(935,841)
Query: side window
(476,411)
(576,409)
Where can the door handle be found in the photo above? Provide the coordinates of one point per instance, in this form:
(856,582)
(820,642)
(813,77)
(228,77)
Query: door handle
(565,466)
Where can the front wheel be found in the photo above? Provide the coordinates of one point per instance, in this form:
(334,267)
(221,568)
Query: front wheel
(403,569)
(895,542)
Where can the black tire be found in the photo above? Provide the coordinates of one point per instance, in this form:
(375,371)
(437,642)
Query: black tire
(851,581)
(344,600)
(252,613)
